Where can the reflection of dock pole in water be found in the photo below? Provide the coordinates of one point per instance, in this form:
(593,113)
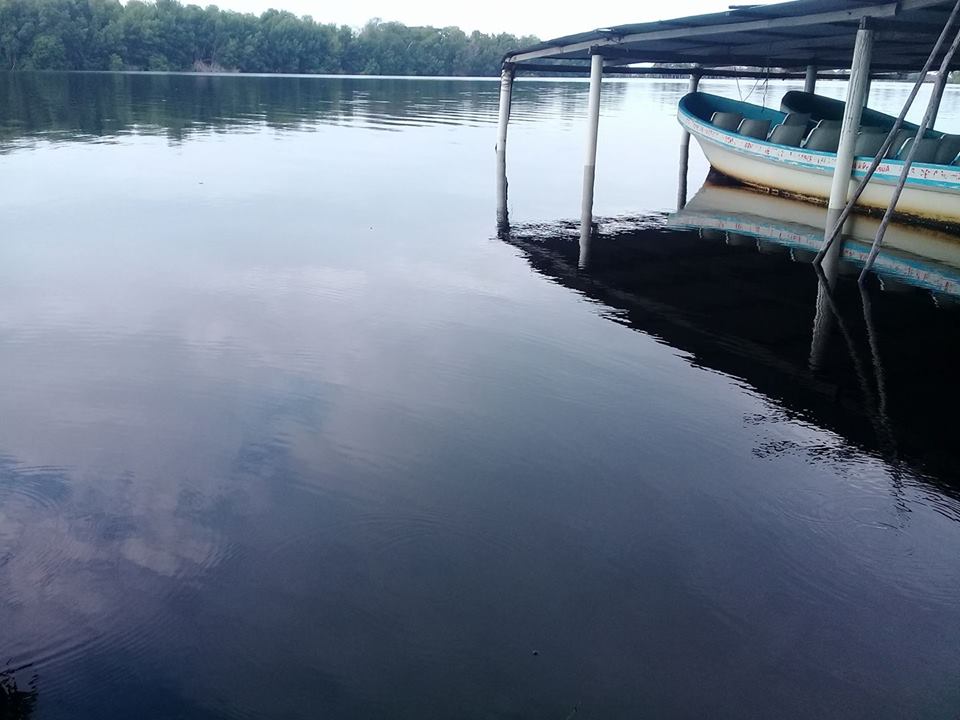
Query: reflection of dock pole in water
(875,355)
(17,702)
(685,151)
(590,162)
(827,280)
(503,216)
(828,313)
(503,120)
(584,258)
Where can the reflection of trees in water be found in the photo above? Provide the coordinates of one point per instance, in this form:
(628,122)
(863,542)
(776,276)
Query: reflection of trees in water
(565,100)
(16,702)
(92,105)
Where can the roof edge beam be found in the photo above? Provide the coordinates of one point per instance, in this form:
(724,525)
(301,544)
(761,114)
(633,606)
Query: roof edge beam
(885,9)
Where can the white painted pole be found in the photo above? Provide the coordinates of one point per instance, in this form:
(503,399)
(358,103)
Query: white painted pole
(590,161)
(685,150)
(856,91)
(506,99)
(810,82)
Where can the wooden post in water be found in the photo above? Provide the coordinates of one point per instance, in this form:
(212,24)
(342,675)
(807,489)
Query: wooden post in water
(685,149)
(590,161)
(506,98)
(810,82)
(856,91)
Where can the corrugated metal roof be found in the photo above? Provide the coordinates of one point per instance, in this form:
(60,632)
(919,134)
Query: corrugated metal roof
(786,34)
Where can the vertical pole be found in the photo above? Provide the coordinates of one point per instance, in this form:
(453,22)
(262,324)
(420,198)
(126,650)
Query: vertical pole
(810,82)
(856,90)
(590,161)
(685,150)
(823,317)
(937,96)
(503,216)
(866,92)
(506,98)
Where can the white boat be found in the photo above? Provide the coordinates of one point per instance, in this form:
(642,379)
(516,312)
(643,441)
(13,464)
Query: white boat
(793,151)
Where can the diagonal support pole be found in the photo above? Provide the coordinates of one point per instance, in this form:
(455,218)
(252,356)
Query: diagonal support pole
(881,153)
(932,107)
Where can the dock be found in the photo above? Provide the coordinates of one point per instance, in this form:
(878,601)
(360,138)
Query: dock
(808,39)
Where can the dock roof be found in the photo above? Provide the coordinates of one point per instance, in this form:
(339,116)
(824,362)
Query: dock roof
(783,35)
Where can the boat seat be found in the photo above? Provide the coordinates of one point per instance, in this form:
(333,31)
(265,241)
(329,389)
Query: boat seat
(949,148)
(796,118)
(726,120)
(873,130)
(754,128)
(823,139)
(868,144)
(830,124)
(785,134)
(926,151)
(899,140)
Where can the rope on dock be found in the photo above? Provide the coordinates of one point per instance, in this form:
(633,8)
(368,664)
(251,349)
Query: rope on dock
(881,153)
(908,160)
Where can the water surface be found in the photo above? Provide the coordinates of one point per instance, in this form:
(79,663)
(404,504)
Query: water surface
(292,429)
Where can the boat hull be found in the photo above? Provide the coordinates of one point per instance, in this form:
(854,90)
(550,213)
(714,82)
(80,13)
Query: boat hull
(932,192)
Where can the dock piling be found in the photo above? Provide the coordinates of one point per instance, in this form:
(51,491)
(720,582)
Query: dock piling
(506,99)
(685,148)
(590,161)
(853,110)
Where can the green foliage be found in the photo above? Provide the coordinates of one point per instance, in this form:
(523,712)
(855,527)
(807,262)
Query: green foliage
(165,35)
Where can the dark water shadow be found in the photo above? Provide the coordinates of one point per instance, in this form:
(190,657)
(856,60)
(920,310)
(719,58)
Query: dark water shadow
(745,308)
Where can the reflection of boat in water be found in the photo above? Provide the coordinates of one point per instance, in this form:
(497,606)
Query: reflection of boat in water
(751,315)
(921,256)
(795,150)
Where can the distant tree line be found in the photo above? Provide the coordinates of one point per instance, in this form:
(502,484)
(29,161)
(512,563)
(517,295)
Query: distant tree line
(166,35)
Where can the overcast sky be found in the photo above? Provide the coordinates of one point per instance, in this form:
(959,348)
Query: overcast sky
(521,17)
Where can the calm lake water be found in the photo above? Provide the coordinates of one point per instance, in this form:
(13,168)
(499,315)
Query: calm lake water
(292,429)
